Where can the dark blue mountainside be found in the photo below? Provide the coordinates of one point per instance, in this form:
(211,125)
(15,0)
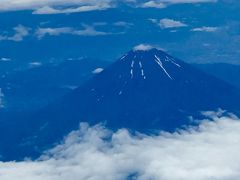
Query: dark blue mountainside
(144,91)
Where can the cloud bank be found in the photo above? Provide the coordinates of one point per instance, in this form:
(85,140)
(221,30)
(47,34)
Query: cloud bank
(55,6)
(74,6)
(209,151)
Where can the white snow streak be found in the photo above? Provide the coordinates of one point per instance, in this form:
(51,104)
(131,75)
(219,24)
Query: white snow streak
(159,62)
(1,98)
(142,70)
(170,60)
(132,64)
(122,58)
(131,72)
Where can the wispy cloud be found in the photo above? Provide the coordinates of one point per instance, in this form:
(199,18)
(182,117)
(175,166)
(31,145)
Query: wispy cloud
(123,24)
(205,29)
(86,31)
(35,64)
(209,151)
(154,4)
(5,59)
(165,3)
(20,32)
(42,32)
(186,1)
(52,10)
(168,23)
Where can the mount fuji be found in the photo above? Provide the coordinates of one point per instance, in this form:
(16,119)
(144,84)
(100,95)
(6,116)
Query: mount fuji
(144,90)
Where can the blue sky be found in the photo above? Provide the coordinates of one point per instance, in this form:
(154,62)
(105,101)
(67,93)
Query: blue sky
(200,31)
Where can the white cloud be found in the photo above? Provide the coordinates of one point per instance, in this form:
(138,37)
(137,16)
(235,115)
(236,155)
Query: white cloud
(147,47)
(143,47)
(210,151)
(164,3)
(170,23)
(123,24)
(186,1)
(51,10)
(90,31)
(87,31)
(35,64)
(73,6)
(205,29)
(97,71)
(153,4)
(20,32)
(155,21)
(5,59)
(55,6)
(41,32)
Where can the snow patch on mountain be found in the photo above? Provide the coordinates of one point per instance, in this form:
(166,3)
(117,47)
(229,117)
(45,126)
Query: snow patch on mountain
(159,62)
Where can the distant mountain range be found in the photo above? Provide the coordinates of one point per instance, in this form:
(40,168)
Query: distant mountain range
(32,88)
(227,72)
(144,91)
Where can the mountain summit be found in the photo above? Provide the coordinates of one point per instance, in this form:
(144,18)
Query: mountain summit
(144,90)
(142,62)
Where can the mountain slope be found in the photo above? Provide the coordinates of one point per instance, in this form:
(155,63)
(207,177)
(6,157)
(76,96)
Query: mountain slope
(144,91)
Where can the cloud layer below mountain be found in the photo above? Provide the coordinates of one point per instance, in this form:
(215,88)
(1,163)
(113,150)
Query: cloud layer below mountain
(209,151)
